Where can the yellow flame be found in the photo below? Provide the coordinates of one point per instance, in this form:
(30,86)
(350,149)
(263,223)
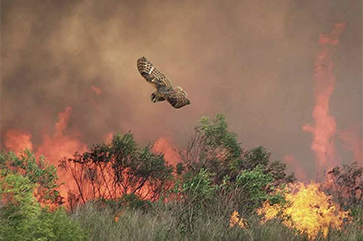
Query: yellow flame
(310,210)
(235,219)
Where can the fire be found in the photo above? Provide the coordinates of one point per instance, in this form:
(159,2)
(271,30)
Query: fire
(18,141)
(59,145)
(164,145)
(309,210)
(325,125)
(236,219)
(54,147)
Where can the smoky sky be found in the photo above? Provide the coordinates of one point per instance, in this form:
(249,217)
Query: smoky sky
(250,60)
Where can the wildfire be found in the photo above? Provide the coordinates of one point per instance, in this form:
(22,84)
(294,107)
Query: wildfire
(54,147)
(325,125)
(58,146)
(308,211)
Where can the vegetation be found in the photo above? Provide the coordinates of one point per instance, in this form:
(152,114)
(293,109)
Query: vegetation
(21,214)
(126,192)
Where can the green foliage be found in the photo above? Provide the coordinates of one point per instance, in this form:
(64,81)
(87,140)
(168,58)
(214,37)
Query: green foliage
(22,217)
(243,179)
(196,193)
(259,156)
(200,188)
(254,187)
(211,147)
(217,136)
(215,148)
(37,172)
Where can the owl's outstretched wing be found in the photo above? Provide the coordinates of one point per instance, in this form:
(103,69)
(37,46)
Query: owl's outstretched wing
(178,98)
(152,74)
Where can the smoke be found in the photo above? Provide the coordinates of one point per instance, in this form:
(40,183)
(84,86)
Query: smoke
(250,60)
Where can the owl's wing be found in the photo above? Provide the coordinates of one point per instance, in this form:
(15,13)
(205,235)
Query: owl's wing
(178,98)
(152,74)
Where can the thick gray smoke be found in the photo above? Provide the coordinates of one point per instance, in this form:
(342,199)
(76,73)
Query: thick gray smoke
(251,60)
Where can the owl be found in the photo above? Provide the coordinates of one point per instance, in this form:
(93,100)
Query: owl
(177,97)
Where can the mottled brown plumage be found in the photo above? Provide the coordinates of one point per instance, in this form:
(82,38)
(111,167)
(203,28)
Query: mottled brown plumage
(177,97)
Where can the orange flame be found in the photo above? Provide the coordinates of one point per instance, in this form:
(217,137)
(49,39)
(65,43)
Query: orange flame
(18,141)
(164,145)
(59,146)
(325,125)
(310,210)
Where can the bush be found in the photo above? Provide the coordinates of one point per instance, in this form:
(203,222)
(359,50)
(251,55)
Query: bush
(21,215)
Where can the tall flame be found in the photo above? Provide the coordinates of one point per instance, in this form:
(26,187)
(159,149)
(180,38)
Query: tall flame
(57,146)
(325,125)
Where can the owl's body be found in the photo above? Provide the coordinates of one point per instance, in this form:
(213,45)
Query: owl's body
(177,97)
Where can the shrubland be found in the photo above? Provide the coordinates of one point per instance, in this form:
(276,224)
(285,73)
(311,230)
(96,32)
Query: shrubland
(124,191)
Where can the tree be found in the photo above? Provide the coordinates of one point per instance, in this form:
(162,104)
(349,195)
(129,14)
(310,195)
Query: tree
(216,149)
(211,147)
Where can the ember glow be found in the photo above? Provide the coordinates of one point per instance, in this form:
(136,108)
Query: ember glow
(309,210)
(325,125)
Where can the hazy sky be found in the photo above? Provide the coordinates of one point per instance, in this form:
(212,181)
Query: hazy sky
(250,60)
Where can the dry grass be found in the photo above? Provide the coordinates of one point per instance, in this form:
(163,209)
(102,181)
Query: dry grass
(163,222)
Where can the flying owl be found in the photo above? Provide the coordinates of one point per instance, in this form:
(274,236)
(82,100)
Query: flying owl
(177,97)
